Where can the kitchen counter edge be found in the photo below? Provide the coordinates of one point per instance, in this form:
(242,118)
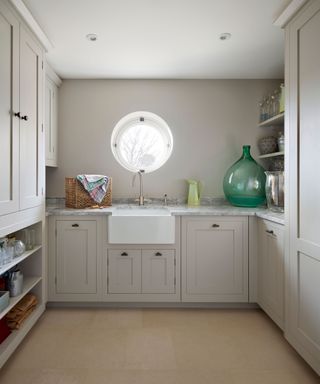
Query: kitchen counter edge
(181,210)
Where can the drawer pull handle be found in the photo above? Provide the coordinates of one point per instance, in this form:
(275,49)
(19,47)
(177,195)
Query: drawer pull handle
(17,114)
(24,117)
(75,225)
(270,232)
(215,225)
(124,254)
(158,254)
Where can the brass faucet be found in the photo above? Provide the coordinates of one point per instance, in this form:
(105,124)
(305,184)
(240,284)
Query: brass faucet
(141,197)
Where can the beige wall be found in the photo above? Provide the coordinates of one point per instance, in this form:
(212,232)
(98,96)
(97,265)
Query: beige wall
(210,121)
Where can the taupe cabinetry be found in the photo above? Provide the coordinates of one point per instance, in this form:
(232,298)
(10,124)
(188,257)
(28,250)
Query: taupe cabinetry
(141,271)
(302,130)
(74,259)
(124,271)
(9,105)
(21,134)
(51,116)
(215,259)
(271,270)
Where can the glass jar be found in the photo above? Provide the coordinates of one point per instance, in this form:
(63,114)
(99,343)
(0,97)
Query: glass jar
(244,182)
(275,190)
(281,142)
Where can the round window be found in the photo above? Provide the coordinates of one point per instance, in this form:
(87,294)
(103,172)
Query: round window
(141,141)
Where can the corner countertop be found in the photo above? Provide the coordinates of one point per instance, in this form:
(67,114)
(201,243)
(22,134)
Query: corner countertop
(176,210)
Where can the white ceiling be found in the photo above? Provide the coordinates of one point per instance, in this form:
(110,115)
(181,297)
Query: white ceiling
(163,39)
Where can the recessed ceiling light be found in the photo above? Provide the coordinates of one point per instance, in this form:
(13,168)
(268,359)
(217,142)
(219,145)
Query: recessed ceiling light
(92,37)
(225,36)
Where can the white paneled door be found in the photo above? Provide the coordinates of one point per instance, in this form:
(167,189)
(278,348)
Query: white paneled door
(271,270)
(215,259)
(31,156)
(9,106)
(124,271)
(303,131)
(158,271)
(76,256)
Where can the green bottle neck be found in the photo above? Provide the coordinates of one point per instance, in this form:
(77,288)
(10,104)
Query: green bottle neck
(246,152)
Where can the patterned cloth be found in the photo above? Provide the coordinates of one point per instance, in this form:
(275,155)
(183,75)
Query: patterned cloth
(95,185)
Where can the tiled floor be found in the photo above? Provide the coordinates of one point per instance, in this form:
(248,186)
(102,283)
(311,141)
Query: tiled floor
(167,346)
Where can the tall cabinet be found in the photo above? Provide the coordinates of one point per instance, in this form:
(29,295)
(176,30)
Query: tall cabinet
(21,134)
(52,84)
(21,161)
(303,187)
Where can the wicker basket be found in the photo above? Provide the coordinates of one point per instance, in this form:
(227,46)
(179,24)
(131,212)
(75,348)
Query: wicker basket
(77,197)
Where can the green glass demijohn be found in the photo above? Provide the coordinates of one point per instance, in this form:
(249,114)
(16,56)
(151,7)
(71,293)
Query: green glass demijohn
(244,182)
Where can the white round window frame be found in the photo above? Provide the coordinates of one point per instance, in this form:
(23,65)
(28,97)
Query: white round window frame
(133,118)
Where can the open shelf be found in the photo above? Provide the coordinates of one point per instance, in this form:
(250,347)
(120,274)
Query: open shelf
(275,120)
(13,340)
(4,268)
(271,155)
(28,284)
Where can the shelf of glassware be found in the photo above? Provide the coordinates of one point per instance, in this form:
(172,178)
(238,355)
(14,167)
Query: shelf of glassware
(274,154)
(16,260)
(275,120)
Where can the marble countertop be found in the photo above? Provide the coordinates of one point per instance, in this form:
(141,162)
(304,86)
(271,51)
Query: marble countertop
(176,210)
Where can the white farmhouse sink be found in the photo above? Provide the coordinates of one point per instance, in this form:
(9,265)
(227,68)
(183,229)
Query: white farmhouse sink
(141,225)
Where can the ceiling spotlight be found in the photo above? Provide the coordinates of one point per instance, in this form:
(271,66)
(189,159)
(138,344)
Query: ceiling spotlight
(225,36)
(92,37)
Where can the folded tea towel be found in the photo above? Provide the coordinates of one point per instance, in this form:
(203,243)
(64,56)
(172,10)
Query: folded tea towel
(95,185)
(21,311)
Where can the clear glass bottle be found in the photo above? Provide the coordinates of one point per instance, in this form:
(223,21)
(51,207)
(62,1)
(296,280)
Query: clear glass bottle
(281,99)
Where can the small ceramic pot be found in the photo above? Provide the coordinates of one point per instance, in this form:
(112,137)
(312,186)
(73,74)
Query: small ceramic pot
(277,164)
(268,144)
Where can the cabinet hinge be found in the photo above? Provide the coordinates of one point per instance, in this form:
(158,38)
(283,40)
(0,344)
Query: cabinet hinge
(55,280)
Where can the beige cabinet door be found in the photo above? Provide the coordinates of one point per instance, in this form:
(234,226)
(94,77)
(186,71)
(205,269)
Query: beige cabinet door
(158,271)
(302,327)
(50,124)
(76,257)
(271,270)
(9,106)
(124,271)
(31,158)
(215,259)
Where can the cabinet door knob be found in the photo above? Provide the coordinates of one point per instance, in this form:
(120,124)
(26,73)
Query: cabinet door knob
(124,254)
(158,254)
(75,225)
(25,117)
(270,232)
(17,114)
(215,225)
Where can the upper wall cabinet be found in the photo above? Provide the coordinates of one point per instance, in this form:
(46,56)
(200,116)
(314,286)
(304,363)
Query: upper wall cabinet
(9,106)
(21,133)
(51,116)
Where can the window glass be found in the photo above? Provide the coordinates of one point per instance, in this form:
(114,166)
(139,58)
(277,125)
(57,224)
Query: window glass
(141,141)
